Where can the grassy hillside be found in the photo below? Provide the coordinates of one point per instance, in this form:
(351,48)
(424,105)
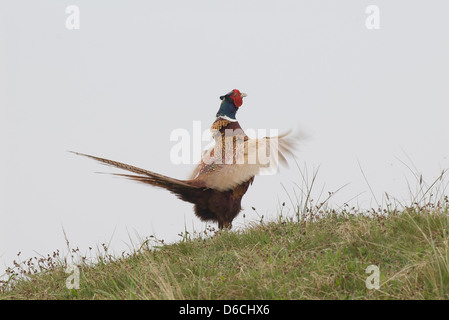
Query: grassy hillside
(323,256)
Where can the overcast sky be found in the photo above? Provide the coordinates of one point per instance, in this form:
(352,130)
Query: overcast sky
(135,71)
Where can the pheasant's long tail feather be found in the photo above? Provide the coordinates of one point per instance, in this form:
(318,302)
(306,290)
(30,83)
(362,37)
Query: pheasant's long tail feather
(182,188)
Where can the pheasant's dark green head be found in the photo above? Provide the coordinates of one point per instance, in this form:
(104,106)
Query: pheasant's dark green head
(230,103)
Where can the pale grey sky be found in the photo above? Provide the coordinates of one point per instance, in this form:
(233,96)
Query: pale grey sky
(136,71)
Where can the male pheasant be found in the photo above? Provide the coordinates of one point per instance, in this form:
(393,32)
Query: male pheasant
(226,170)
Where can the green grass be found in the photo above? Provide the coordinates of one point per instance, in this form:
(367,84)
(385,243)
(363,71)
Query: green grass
(323,256)
(319,253)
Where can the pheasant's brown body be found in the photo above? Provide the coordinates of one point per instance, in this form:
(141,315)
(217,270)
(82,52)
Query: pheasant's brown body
(220,181)
(214,205)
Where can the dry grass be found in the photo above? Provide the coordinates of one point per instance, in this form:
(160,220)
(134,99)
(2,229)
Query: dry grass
(318,253)
(284,259)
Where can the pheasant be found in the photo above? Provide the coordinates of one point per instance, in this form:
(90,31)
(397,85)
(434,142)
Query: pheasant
(226,170)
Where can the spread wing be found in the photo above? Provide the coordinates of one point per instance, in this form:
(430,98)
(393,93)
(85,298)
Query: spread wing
(249,158)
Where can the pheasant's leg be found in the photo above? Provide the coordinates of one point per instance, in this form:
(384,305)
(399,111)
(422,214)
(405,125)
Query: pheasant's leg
(227,225)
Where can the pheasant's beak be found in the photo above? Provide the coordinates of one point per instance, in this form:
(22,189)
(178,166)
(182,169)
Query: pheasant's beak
(243,95)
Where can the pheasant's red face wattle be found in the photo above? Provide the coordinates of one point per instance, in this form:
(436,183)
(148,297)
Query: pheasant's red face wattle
(236,97)
(216,188)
